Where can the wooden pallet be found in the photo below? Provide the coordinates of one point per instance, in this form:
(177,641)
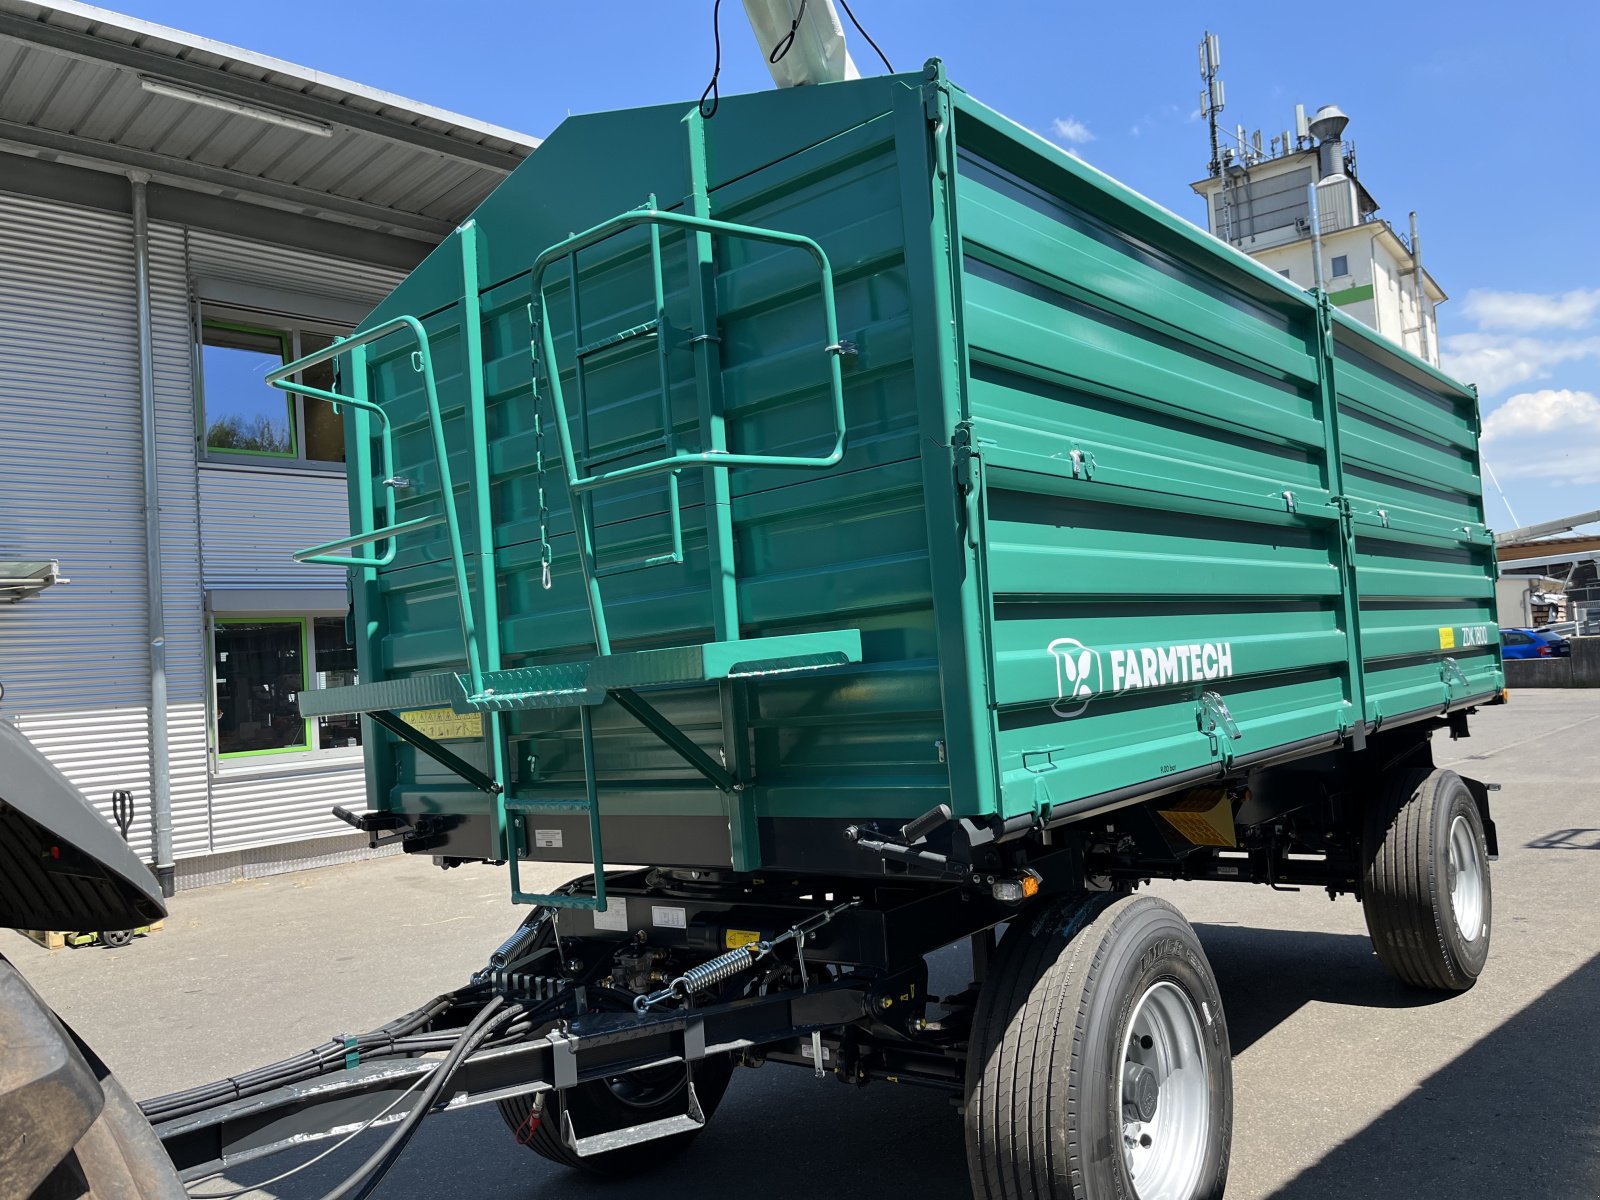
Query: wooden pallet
(54,939)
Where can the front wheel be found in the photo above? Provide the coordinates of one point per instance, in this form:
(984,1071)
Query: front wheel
(1425,885)
(1099,1064)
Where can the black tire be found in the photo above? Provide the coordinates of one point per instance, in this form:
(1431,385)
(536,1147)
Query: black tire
(71,1131)
(597,1107)
(1408,886)
(1044,1114)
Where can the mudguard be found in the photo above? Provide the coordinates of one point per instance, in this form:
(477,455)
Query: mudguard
(61,865)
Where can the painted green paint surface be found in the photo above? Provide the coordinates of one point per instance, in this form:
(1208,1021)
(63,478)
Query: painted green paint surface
(1351,295)
(1094,467)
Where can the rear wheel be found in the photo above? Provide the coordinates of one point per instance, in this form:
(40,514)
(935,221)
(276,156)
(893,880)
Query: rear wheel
(610,1105)
(1099,1065)
(1425,884)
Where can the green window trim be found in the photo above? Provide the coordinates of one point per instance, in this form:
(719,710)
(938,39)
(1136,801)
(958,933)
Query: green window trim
(285,353)
(306,743)
(1353,295)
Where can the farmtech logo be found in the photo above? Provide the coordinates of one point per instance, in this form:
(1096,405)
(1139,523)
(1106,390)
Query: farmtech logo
(1082,672)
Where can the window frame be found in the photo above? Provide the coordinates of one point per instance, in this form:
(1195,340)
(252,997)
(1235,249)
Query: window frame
(227,761)
(1333,266)
(290,330)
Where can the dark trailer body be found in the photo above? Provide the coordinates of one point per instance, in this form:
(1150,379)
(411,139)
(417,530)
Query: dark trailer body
(884,527)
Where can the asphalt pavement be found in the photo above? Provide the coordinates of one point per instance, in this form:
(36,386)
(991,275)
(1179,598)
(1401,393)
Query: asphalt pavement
(1348,1086)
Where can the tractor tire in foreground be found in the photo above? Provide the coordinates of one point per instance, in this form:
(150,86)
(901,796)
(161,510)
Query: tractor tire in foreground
(610,1105)
(1099,1066)
(68,1130)
(1425,884)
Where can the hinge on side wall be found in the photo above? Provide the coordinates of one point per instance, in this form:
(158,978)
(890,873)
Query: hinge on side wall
(968,486)
(1215,721)
(965,457)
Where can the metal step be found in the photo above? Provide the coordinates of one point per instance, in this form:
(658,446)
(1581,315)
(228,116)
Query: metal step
(567,685)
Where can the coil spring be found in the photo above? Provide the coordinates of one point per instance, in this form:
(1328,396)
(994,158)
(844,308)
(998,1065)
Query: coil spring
(519,938)
(708,974)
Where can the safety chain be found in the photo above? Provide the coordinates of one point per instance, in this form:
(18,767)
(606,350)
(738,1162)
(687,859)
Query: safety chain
(545,553)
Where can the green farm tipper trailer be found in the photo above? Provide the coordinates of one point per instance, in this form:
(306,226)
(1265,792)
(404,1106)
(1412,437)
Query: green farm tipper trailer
(888,530)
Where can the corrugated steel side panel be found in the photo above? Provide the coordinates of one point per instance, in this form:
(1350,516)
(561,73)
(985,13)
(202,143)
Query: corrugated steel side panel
(74,661)
(70,470)
(254,521)
(263,861)
(220,256)
(99,751)
(285,806)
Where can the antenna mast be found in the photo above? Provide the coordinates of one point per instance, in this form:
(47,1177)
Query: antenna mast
(1211,99)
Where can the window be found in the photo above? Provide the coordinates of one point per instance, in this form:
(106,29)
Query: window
(1510,637)
(261,666)
(1341,265)
(243,415)
(1285,273)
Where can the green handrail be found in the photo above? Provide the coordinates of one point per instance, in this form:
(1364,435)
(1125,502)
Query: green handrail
(579,484)
(422,362)
(833,348)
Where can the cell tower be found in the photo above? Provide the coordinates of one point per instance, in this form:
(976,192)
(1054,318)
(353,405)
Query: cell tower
(1211,98)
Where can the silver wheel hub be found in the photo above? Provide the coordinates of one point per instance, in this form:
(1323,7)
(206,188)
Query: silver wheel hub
(1165,1095)
(1466,880)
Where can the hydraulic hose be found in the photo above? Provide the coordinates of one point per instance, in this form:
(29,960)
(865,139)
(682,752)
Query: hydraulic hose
(364,1180)
(389,1041)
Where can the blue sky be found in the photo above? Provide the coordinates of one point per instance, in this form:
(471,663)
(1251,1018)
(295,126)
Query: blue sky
(1476,113)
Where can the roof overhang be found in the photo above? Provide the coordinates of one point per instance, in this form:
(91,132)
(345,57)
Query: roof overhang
(92,88)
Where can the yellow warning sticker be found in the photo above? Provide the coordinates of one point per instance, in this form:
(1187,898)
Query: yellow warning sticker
(735,938)
(442,724)
(1447,637)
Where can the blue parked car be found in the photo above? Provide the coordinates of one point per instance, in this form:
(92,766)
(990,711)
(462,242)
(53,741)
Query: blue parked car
(1531,643)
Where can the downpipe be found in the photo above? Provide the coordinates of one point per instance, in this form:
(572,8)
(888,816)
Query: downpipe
(155,609)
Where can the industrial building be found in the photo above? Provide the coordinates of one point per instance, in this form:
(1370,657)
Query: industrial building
(177,217)
(1258,195)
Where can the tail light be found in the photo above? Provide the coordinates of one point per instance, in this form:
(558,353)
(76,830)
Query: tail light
(1544,651)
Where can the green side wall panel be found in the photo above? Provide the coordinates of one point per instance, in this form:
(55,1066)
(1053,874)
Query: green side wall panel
(1099,473)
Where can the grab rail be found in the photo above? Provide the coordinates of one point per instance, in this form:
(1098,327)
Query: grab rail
(833,348)
(422,363)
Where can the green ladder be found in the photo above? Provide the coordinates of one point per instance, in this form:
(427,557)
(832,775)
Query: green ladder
(489,687)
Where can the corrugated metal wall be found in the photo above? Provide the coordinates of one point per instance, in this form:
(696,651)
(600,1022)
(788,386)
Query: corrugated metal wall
(219,256)
(74,660)
(252,521)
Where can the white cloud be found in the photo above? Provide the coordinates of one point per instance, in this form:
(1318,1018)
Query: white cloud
(1071,130)
(1497,362)
(1531,310)
(1552,435)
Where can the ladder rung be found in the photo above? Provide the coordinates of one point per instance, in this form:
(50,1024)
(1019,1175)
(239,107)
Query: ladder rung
(648,329)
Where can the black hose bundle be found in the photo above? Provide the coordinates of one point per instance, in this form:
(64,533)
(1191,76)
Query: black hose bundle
(397,1039)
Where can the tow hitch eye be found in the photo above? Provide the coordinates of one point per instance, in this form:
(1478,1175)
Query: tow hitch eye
(1014,889)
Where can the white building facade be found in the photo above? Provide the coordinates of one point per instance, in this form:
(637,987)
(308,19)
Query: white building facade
(177,217)
(1259,201)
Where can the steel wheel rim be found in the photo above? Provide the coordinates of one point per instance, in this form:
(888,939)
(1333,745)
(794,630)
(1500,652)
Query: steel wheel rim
(1165,1154)
(1466,879)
